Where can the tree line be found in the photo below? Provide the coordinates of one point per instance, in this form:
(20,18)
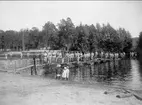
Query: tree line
(66,36)
(139,47)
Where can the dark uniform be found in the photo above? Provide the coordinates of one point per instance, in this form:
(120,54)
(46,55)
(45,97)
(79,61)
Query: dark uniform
(58,72)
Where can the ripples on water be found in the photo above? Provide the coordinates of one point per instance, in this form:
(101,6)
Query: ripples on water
(120,73)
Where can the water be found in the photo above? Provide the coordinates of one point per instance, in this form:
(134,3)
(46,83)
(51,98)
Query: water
(120,73)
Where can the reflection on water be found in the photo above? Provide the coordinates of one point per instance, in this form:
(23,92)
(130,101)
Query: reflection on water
(124,73)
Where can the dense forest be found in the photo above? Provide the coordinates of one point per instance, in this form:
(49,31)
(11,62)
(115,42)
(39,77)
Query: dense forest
(139,46)
(65,35)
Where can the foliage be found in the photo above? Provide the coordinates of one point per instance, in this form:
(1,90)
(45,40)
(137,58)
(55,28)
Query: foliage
(139,46)
(65,35)
(49,34)
(140,41)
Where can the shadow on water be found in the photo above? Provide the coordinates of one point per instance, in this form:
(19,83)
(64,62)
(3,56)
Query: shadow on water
(119,73)
(140,67)
(122,73)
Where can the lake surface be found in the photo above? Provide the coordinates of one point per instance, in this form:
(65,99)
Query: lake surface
(120,73)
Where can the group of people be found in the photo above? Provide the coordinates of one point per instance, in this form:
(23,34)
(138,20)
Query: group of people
(79,56)
(62,72)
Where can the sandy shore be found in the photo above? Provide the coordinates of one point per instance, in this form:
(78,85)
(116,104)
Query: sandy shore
(16,89)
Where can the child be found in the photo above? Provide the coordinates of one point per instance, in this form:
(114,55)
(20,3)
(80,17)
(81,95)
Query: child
(58,71)
(65,73)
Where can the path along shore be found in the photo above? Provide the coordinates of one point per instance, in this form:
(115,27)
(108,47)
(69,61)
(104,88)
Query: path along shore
(17,89)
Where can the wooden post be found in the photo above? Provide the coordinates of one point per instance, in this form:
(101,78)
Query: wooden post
(32,70)
(35,65)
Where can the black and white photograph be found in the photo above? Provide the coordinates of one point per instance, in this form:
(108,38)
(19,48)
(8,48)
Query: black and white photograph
(70,52)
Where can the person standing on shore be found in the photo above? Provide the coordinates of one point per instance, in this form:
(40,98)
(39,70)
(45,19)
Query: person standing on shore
(58,72)
(65,73)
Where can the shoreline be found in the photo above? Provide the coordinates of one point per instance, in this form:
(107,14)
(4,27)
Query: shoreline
(17,89)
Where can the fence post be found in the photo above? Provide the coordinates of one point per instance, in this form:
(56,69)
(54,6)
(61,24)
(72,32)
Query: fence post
(32,70)
(34,58)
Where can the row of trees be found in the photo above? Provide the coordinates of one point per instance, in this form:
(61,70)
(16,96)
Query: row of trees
(139,47)
(65,35)
(140,41)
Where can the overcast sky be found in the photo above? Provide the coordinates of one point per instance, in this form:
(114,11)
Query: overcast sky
(15,15)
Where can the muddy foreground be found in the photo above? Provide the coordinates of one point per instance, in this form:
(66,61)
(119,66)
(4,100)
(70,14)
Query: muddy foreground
(16,89)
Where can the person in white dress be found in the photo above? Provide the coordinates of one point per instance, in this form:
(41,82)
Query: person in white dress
(65,73)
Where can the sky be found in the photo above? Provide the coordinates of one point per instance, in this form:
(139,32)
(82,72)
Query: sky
(16,15)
